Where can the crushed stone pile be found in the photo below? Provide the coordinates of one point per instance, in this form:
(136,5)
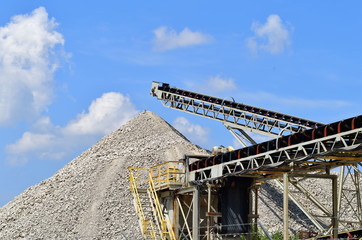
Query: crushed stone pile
(90,198)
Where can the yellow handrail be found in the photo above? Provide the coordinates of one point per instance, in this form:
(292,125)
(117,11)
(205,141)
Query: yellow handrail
(167,174)
(165,224)
(161,176)
(144,222)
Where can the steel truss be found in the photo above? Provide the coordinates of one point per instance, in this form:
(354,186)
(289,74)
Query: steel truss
(330,149)
(332,213)
(314,155)
(349,196)
(185,208)
(237,115)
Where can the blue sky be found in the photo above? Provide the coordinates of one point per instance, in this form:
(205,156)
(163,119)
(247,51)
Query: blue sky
(72,71)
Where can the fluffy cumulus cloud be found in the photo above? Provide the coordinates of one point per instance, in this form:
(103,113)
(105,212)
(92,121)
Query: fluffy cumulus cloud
(31,141)
(104,115)
(34,145)
(167,38)
(27,65)
(272,37)
(196,133)
(47,141)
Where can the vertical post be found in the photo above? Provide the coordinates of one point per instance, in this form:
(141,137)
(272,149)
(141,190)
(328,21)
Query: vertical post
(176,217)
(187,171)
(208,210)
(253,211)
(335,207)
(256,189)
(357,181)
(340,186)
(195,214)
(285,207)
(250,215)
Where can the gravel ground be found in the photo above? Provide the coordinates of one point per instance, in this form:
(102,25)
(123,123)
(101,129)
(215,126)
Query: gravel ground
(90,199)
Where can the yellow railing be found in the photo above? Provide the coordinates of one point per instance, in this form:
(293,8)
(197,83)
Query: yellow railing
(146,224)
(168,174)
(161,176)
(166,226)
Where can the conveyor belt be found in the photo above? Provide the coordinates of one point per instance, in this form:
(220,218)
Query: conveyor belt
(340,141)
(249,117)
(309,144)
(300,146)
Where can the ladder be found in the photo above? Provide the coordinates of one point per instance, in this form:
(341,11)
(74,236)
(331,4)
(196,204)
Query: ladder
(153,224)
(144,209)
(166,227)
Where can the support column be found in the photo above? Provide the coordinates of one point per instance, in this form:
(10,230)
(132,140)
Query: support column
(357,181)
(195,214)
(176,214)
(208,210)
(285,207)
(340,186)
(256,212)
(253,211)
(250,215)
(335,207)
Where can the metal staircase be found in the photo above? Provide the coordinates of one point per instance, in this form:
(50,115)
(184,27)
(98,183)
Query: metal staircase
(166,227)
(144,208)
(144,184)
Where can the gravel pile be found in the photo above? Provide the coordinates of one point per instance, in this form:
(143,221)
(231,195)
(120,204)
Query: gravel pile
(90,199)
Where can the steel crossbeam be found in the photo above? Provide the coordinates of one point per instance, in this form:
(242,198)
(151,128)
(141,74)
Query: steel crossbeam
(307,156)
(247,117)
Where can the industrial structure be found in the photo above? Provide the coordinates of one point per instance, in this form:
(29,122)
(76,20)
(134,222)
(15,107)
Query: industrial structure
(216,196)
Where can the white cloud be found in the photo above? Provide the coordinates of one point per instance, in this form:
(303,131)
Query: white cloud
(27,65)
(272,37)
(30,142)
(194,132)
(36,146)
(104,114)
(293,102)
(167,39)
(219,84)
(213,85)
(47,141)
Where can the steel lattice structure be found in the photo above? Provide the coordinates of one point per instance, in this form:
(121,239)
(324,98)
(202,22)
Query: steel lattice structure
(299,147)
(236,115)
(314,155)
